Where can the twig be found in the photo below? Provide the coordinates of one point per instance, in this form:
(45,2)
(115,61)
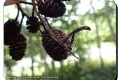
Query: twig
(33,12)
(70,51)
(21,23)
(79,29)
(17,15)
(72,40)
(27,3)
(73,33)
(22,10)
(21,20)
(40,31)
(37,1)
(47,22)
(76,30)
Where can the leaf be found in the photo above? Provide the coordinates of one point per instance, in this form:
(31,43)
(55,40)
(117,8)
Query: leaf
(11,2)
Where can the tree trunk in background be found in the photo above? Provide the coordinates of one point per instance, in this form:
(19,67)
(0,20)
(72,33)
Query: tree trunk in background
(22,71)
(10,72)
(61,65)
(32,67)
(98,43)
(89,48)
(45,63)
(109,21)
(98,37)
(31,54)
(53,65)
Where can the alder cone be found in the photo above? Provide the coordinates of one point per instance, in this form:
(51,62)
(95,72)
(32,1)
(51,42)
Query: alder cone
(51,8)
(11,29)
(56,51)
(58,1)
(17,47)
(32,24)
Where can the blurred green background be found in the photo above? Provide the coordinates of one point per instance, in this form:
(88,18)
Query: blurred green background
(96,48)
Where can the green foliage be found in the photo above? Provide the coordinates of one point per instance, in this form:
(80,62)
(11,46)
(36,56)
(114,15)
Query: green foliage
(85,71)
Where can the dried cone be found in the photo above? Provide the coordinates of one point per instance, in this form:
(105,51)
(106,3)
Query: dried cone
(17,47)
(58,1)
(53,48)
(33,24)
(57,44)
(51,8)
(11,29)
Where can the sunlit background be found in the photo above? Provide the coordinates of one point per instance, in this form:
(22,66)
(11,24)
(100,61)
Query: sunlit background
(96,49)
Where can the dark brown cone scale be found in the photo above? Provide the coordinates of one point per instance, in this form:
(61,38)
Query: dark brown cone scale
(53,48)
(51,8)
(17,47)
(32,24)
(11,29)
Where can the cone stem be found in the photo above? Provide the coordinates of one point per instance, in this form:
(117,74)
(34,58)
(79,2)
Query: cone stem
(47,22)
(33,12)
(75,31)
(21,20)
(21,10)
(29,3)
(70,51)
(17,15)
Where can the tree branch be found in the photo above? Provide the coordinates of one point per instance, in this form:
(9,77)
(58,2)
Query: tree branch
(27,3)
(22,10)
(77,30)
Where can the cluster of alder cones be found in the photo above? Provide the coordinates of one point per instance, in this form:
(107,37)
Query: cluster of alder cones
(55,42)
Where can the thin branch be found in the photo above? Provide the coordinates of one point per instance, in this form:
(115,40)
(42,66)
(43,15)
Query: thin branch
(33,12)
(72,40)
(40,31)
(21,20)
(22,10)
(70,51)
(21,23)
(77,30)
(17,15)
(47,22)
(37,1)
(27,3)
